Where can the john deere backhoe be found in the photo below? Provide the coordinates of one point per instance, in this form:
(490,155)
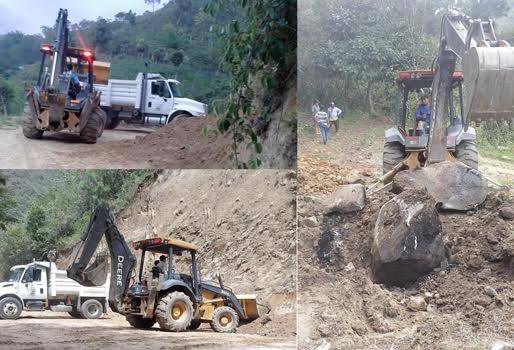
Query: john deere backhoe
(484,91)
(57,102)
(175,301)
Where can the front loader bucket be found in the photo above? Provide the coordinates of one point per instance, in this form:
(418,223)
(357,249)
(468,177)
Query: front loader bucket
(489,83)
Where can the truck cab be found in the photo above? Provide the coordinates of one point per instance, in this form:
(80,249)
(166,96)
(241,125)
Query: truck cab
(40,286)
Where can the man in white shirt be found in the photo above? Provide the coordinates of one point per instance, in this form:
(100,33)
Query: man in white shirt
(333,115)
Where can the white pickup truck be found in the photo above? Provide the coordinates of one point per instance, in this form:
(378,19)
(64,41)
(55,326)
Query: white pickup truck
(149,99)
(41,286)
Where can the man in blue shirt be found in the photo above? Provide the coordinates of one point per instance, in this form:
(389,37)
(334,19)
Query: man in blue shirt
(74,82)
(423,114)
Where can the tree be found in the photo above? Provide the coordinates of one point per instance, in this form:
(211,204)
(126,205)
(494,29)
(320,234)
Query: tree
(152,2)
(7,203)
(177,58)
(103,33)
(7,93)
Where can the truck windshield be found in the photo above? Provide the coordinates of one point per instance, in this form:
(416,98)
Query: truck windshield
(175,90)
(15,275)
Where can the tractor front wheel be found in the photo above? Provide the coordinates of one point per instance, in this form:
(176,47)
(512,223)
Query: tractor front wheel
(175,312)
(29,127)
(94,126)
(224,320)
(394,153)
(467,153)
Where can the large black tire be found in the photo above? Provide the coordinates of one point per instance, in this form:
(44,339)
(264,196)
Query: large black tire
(10,308)
(174,312)
(94,126)
(195,324)
(224,320)
(183,115)
(139,322)
(394,153)
(29,128)
(91,309)
(467,153)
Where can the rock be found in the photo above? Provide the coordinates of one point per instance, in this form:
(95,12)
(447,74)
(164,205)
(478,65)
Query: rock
(417,303)
(507,212)
(349,268)
(310,222)
(452,185)
(490,291)
(346,199)
(407,239)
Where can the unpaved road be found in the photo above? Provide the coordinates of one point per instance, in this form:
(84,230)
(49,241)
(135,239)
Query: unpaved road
(56,150)
(49,330)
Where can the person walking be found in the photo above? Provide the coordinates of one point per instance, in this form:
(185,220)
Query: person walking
(333,115)
(315,109)
(322,121)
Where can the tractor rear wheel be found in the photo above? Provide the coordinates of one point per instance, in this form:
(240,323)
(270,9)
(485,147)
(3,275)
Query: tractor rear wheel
(394,153)
(94,126)
(29,128)
(224,320)
(467,153)
(139,322)
(174,312)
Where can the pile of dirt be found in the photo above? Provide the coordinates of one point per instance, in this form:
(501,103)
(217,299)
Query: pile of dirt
(179,144)
(319,176)
(244,225)
(468,302)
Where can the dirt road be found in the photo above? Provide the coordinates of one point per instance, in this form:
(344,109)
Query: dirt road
(357,150)
(49,330)
(180,144)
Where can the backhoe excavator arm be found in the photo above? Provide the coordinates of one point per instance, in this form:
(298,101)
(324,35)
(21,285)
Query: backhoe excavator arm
(122,259)
(487,66)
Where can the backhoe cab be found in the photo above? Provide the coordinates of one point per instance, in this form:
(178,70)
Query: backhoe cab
(405,142)
(64,97)
(176,301)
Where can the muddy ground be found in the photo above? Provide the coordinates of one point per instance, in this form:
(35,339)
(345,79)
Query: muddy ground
(180,144)
(470,299)
(49,330)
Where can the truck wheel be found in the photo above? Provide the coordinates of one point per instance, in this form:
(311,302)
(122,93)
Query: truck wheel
(224,320)
(112,120)
(394,153)
(10,308)
(139,322)
(182,115)
(467,153)
(94,126)
(195,324)
(174,312)
(29,129)
(91,309)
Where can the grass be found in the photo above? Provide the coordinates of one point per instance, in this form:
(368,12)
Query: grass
(504,153)
(9,121)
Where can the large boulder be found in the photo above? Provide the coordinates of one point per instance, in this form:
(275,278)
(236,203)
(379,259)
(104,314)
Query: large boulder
(407,239)
(452,185)
(346,199)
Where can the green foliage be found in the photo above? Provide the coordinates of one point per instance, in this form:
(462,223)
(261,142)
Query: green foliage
(7,202)
(271,24)
(7,93)
(56,217)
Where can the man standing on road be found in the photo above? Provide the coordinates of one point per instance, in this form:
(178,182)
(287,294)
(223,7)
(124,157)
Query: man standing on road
(315,109)
(322,121)
(333,115)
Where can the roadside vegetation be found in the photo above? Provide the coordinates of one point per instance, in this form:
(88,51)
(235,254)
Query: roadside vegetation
(50,209)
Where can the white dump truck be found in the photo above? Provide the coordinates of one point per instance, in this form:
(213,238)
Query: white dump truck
(149,99)
(41,286)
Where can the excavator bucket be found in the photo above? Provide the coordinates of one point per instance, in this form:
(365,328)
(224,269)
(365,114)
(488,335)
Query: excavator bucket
(489,83)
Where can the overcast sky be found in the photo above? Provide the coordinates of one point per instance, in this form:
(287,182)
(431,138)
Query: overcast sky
(28,16)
